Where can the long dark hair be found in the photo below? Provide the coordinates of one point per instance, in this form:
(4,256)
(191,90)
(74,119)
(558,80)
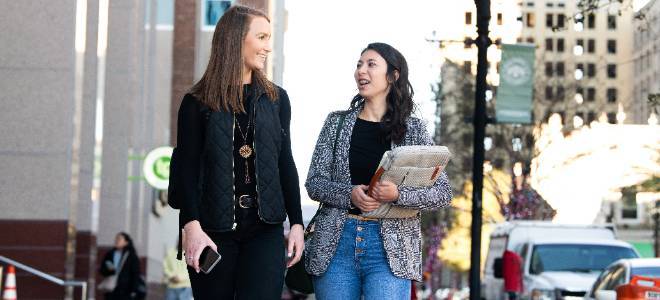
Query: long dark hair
(129,242)
(221,86)
(400,98)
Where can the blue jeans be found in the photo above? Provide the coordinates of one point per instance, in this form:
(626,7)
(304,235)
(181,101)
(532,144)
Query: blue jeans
(359,267)
(178,294)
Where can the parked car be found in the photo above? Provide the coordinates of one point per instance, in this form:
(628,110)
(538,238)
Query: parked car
(558,261)
(621,272)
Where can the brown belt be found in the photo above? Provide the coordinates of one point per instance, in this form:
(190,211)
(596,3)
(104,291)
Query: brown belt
(361,218)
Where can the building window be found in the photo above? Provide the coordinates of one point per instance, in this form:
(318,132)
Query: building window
(213,10)
(548,69)
(530,19)
(579,71)
(611,117)
(611,71)
(467,67)
(561,93)
(530,40)
(467,43)
(548,93)
(560,45)
(499,19)
(164,13)
(468,18)
(580,115)
(591,94)
(611,95)
(549,4)
(560,4)
(591,21)
(548,44)
(530,4)
(560,69)
(548,20)
(611,22)
(591,116)
(579,47)
(591,70)
(611,46)
(591,46)
(561,19)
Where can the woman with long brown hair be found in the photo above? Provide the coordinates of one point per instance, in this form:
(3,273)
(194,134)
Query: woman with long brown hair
(238,178)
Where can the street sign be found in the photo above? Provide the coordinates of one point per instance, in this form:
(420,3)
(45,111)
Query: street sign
(156,167)
(514,95)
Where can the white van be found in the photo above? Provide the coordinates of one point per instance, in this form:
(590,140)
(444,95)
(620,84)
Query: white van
(559,261)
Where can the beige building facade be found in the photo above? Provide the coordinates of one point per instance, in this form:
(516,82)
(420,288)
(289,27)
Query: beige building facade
(646,57)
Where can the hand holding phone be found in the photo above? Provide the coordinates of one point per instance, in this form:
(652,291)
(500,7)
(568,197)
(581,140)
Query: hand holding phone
(208,259)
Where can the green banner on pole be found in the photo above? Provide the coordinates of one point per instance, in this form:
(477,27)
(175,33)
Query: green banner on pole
(514,95)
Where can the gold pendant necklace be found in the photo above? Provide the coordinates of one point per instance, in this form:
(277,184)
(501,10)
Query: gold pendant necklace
(245,151)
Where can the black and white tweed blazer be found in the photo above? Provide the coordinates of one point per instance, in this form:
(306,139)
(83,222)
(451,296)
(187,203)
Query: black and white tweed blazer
(331,185)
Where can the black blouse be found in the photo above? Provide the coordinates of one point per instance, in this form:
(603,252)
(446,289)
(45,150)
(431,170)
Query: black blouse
(367,149)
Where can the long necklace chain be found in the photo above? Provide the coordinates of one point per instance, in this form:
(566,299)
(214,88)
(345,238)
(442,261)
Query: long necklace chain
(245,151)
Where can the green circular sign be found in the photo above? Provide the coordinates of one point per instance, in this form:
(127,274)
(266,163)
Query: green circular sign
(156,167)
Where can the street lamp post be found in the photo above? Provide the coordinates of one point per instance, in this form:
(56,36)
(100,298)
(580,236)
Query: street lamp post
(479,121)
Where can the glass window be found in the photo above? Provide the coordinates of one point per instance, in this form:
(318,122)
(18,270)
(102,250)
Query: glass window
(467,67)
(548,93)
(560,45)
(561,18)
(653,272)
(560,69)
(548,20)
(611,71)
(591,70)
(530,40)
(611,118)
(548,44)
(611,95)
(214,9)
(611,22)
(611,46)
(468,18)
(561,93)
(591,46)
(591,116)
(591,21)
(591,94)
(548,69)
(499,19)
(164,12)
(576,257)
(530,19)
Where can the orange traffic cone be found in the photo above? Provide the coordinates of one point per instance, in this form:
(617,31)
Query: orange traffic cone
(10,284)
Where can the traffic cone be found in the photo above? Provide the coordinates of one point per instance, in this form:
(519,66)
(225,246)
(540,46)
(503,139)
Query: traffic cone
(10,284)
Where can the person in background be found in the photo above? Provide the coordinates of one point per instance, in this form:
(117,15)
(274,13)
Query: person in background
(512,274)
(123,261)
(176,277)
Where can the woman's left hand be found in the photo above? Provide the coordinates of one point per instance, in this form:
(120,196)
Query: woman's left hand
(296,242)
(385,192)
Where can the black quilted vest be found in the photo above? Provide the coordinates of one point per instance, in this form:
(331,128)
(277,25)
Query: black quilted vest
(217,201)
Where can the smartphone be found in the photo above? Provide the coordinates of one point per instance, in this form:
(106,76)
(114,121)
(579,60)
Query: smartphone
(208,259)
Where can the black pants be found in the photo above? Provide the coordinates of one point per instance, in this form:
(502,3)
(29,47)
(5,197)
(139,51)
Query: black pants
(252,264)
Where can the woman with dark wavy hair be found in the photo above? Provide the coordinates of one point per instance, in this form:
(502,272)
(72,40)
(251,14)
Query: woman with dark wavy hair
(351,256)
(238,178)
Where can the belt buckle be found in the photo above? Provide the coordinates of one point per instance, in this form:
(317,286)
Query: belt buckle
(240,201)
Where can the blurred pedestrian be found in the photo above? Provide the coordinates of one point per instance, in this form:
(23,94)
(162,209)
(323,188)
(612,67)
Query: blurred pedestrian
(349,255)
(239,180)
(176,277)
(512,274)
(121,270)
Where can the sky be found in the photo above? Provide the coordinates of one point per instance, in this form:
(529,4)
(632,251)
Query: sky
(323,42)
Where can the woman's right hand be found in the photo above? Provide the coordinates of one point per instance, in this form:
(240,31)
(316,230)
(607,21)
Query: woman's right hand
(195,240)
(361,200)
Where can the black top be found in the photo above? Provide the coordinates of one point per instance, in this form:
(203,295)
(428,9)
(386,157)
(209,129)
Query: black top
(244,127)
(366,150)
(191,133)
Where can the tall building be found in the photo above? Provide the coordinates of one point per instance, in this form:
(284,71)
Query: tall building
(646,58)
(86,91)
(583,68)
